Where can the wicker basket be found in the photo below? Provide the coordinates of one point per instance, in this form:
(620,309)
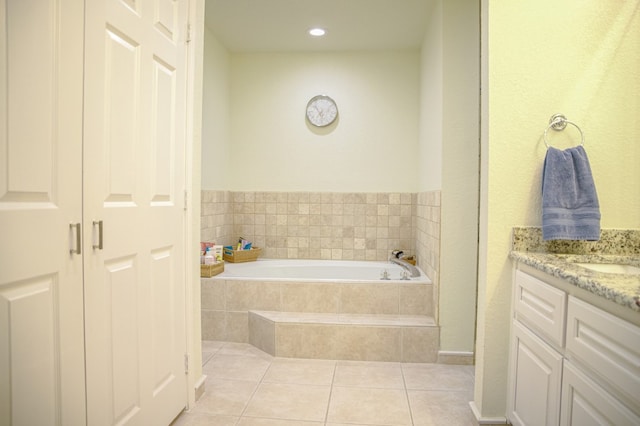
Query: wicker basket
(208,271)
(239,256)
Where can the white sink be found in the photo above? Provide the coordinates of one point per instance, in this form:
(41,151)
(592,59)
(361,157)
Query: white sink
(611,268)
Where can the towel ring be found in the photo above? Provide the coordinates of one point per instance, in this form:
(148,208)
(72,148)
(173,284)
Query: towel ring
(559,122)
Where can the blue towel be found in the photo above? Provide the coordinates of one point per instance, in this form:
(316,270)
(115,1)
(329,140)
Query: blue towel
(570,208)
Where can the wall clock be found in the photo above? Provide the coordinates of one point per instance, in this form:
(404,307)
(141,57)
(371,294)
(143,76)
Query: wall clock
(321,111)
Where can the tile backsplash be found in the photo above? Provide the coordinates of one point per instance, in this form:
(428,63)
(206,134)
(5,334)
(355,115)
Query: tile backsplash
(325,225)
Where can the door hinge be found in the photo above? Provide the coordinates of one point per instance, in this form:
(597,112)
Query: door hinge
(188,34)
(186,363)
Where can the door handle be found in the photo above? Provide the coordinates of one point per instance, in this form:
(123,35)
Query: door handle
(77,240)
(98,244)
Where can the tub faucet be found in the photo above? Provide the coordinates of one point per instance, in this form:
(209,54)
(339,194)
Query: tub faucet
(406,265)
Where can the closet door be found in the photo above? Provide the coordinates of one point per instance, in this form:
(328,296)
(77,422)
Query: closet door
(41,306)
(135,88)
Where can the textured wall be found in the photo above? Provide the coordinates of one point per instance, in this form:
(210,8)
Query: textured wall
(580,60)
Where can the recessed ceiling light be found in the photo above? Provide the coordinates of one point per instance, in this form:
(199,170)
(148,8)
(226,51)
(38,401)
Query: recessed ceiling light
(317,32)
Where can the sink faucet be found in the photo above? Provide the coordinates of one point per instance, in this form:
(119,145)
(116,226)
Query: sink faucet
(406,265)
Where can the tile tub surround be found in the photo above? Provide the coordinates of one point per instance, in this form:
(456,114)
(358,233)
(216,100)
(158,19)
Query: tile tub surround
(226,306)
(558,258)
(313,225)
(327,225)
(427,238)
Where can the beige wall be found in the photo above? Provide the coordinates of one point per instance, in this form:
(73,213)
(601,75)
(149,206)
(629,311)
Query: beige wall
(449,163)
(460,174)
(216,133)
(373,146)
(580,60)
(431,92)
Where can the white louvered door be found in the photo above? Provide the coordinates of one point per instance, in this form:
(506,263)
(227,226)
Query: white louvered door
(134,145)
(41,318)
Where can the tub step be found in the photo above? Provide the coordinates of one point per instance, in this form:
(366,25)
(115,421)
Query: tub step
(393,338)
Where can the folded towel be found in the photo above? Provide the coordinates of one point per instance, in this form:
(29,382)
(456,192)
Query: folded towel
(570,208)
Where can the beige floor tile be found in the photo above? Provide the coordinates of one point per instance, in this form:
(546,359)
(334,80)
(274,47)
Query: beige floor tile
(437,377)
(369,406)
(206,356)
(349,424)
(290,402)
(236,367)
(233,348)
(227,397)
(254,421)
(369,375)
(346,424)
(212,345)
(300,371)
(434,408)
(204,419)
(258,353)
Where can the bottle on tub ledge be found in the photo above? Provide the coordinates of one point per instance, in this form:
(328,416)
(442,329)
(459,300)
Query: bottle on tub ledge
(210,253)
(209,258)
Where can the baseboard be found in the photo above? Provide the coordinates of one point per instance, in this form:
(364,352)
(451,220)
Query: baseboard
(486,421)
(456,357)
(200,387)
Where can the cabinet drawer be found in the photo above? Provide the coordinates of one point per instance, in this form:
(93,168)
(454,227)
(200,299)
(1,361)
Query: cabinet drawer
(586,403)
(541,307)
(607,346)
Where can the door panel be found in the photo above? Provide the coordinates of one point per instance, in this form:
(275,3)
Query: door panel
(134,156)
(121,127)
(123,323)
(41,308)
(33,376)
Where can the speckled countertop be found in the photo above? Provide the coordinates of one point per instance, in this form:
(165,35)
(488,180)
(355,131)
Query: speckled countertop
(559,258)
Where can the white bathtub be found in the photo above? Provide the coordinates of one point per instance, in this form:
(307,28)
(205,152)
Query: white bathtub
(317,270)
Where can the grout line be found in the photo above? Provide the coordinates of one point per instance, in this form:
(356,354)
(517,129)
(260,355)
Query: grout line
(254,391)
(333,378)
(406,393)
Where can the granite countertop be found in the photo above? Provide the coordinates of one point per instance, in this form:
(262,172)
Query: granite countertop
(559,258)
(624,289)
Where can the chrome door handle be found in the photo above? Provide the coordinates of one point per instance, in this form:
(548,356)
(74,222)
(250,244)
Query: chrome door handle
(78,239)
(97,245)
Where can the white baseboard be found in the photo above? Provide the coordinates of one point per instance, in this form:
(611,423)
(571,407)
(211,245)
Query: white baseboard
(456,357)
(200,387)
(486,421)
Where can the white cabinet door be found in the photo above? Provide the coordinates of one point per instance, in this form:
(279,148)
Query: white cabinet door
(585,403)
(41,317)
(134,144)
(535,380)
(607,347)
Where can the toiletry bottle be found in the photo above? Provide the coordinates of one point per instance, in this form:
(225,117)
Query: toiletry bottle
(208,257)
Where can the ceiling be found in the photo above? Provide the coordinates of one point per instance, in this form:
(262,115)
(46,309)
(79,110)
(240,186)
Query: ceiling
(282,25)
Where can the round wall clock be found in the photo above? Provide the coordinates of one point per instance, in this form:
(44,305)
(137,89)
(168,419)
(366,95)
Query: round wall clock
(321,111)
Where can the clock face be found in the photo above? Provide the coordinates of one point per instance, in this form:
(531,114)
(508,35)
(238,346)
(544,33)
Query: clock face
(321,111)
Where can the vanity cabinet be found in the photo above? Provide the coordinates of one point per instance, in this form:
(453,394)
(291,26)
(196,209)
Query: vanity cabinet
(571,363)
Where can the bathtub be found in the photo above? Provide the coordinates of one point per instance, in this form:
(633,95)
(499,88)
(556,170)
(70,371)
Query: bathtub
(317,270)
(322,309)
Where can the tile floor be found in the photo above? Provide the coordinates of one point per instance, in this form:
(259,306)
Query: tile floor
(247,387)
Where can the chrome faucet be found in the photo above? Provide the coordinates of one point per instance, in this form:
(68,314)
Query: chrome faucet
(406,265)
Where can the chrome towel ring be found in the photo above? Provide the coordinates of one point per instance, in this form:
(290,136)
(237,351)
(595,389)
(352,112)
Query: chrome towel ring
(558,122)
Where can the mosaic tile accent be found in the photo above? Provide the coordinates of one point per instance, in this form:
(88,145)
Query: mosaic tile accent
(313,225)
